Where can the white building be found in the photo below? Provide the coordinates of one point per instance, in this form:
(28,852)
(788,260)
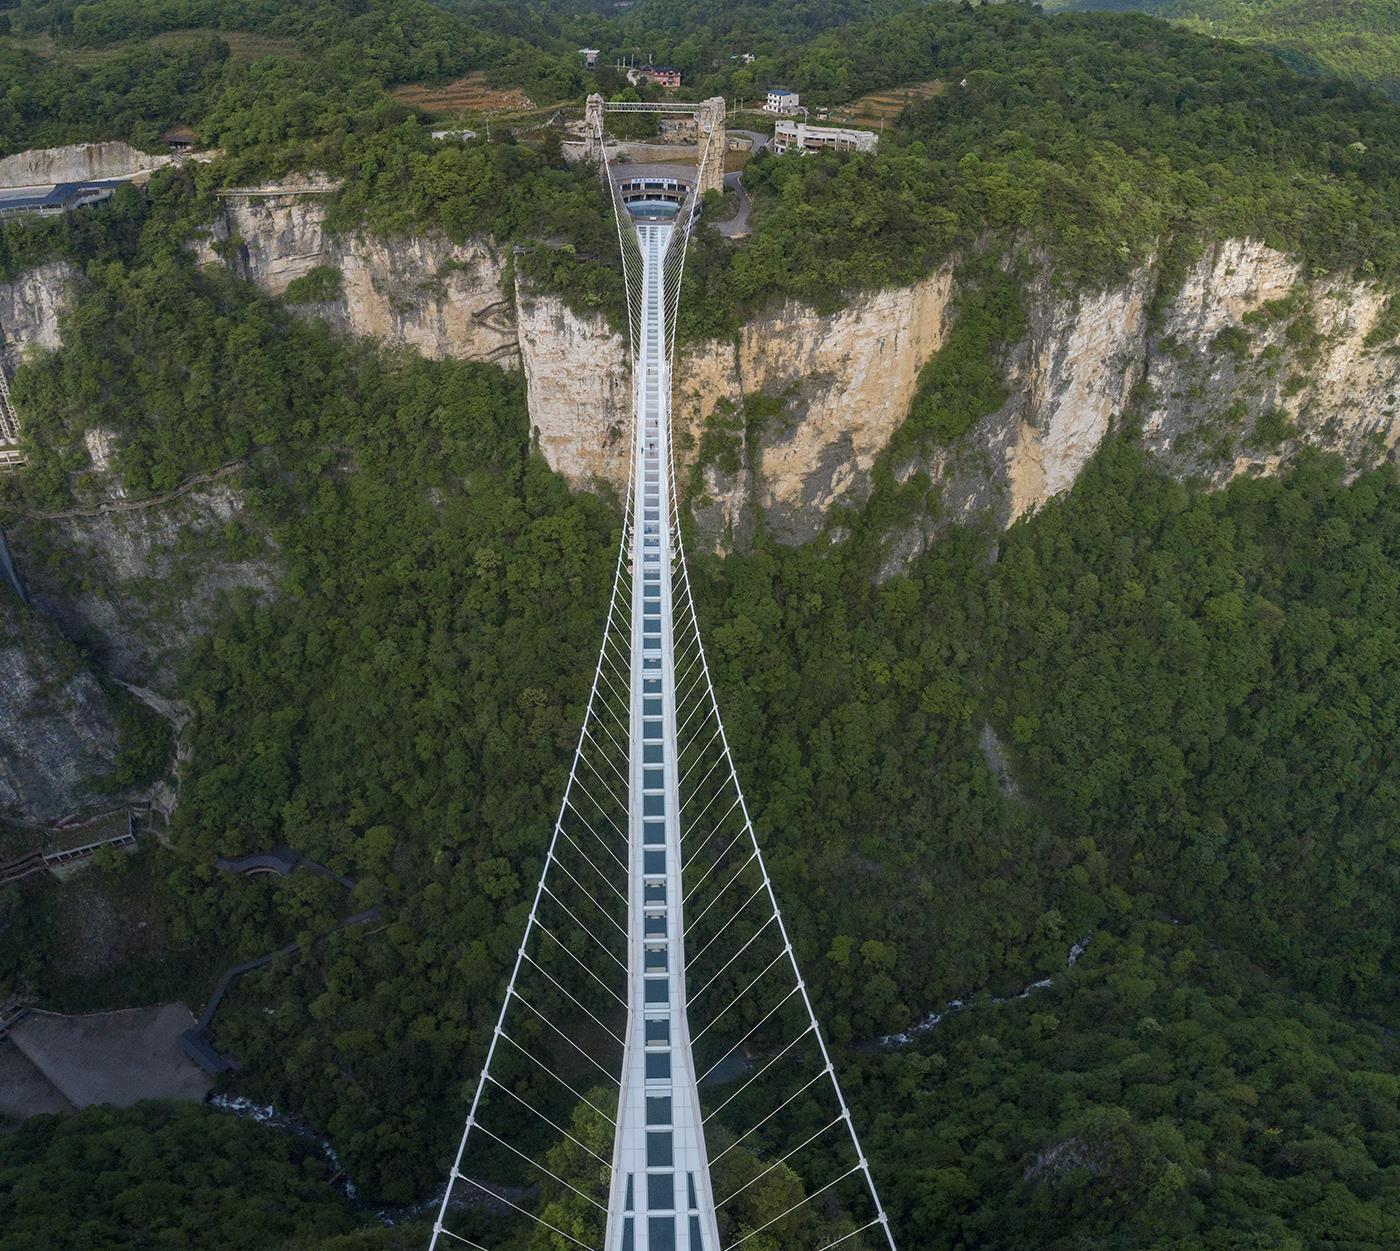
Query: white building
(780,100)
(800,137)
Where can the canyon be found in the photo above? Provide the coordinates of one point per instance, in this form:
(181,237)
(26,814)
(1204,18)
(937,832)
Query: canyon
(1231,369)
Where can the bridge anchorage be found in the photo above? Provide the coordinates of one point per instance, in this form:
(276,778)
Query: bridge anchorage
(656,1079)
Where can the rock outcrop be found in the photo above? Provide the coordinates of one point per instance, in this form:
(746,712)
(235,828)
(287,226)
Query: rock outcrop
(579,389)
(426,293)
(77,162)
(29,310)
(1247,362)
(143,585)
(1250,359)
(58,731)
(809,400)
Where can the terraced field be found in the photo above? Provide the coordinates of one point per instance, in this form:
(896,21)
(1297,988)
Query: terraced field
(885,106)
(466,95)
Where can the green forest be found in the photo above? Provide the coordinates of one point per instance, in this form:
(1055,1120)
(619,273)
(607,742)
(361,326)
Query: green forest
(1197,691)
(1347,38)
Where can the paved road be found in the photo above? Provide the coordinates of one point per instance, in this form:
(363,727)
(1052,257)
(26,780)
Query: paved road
(738,224)
(760,140)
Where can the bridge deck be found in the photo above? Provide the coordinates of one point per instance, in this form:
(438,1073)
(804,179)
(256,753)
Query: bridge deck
(661,1198)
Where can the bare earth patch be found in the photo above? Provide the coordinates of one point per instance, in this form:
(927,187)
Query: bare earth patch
(466,95)
(885,106)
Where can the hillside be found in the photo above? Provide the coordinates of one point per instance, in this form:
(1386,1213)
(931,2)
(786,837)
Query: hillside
(1039,482)
(1357,39)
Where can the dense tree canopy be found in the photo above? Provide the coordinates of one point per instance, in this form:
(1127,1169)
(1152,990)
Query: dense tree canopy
(1195,693)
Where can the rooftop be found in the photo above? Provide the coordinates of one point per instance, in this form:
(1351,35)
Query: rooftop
(53,198)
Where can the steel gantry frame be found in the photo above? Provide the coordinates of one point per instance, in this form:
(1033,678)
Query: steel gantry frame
(656,1032)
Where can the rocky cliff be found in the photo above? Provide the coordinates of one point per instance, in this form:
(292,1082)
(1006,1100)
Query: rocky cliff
(1245,361)
(1234,368)
(58,731)
(29,309)
(77,162)
(140,584)
(426,293)
(1249,360)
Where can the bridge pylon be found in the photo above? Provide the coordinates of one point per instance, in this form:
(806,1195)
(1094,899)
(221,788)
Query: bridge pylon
(712,143)
(593,128)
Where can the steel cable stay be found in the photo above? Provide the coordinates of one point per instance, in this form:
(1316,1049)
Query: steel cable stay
(709,711)
(855,1168)
(544,929)
(592,898)
(693,960)
(601,779)
(719,860)
(720,895)
(516,995)
(724,968)
(756,1075)
(694,684)
(574,809)
(719,1203)
(719,1016)
(609,726)
(594,867)
(724,959)
(603,752)
(553,981)
(801,1090)
(467,1242)
(714,830)
(535,1164)
(863,1166)
(529,925)
(870,1224)
(471,1181)
(584,804)
(694,792)
(753,1029)
(585,930)
(705,833)
(612,671)
(601,810)
(531,1056)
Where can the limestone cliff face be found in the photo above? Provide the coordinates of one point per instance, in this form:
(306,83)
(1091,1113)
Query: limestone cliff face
(426,293)
(143,585)
(1255,360)
(57,726)
(818,397)
(579,389)
(808,401)
(29,309)
(1247,362)
(77,162)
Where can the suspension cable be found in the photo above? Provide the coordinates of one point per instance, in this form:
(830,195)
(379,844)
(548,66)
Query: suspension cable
(523,1212)
(782,1160)
(541,1167)
(530,1055)
(855,1168)
(517,995)
(762,1021)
